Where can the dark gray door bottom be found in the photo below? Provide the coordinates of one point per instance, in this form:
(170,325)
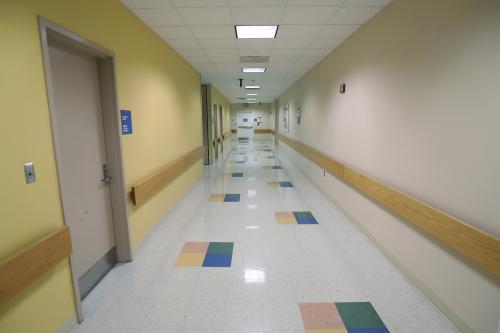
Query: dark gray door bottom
(95,273)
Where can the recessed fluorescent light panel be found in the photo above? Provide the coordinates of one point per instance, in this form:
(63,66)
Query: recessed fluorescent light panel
(252,87)
(256,31)
(252,94)
(251,99)
(253,69)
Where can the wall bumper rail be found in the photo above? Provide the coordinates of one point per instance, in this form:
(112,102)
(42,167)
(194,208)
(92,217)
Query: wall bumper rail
(477,245)
(22,268)
(145,188)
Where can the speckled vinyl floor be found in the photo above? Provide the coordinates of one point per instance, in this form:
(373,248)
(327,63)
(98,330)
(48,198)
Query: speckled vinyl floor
(255,247)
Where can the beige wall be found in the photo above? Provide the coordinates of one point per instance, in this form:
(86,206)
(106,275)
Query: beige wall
(263,110)
(161,89)
(421,113)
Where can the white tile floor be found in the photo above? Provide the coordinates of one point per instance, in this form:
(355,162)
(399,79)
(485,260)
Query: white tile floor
(274,266)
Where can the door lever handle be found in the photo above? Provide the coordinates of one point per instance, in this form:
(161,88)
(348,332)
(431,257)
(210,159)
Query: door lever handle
(107,178)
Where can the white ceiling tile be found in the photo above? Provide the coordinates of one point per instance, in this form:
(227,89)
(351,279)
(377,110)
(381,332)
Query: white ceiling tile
(254,52)
(283,64)
(317,52)
(311,59)
(221,52)
(173,32)
(379,3)
(206,15)
(315,2)
(228,66)
(258,3)
(213,31)
(326,43)
(224,59)
(147,3)
(288,52)
(354,15)
(308,15)
(338,30)
(298,31)
(191,53)
(280,59)
(198,60)
(218,43)
(202,31)
(205,67)
(257,15)
(284,70)
(199,3)
(183,44)
(258,43)
(292,43)
(158,17)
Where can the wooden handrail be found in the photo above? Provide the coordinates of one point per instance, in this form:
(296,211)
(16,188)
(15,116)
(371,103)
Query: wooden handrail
(262,130)
(469,241)
(152,184)
(25,266)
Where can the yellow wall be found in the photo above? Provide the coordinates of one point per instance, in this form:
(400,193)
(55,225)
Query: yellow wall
(160,88)
(421,114)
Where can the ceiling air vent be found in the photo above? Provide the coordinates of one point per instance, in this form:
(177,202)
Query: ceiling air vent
(254,59)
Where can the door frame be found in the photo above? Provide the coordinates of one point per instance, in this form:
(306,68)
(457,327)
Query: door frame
(205,123)
(221,129)
(215,134)
(112,124)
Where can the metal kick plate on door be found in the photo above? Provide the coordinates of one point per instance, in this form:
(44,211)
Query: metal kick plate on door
(29,173)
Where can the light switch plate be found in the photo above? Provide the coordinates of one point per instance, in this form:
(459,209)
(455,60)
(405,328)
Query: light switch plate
(29,173)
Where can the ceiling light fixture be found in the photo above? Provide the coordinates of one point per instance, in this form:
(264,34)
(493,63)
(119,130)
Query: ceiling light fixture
(252,87)
(252,94)
(251,99)
(253,69)
(256,31)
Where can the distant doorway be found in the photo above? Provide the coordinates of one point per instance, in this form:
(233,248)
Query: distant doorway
(245,124)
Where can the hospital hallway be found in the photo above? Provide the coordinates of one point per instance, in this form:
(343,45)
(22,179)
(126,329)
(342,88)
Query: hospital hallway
(255,247)
(250,166)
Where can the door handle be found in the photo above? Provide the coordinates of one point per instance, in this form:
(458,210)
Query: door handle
(106,177)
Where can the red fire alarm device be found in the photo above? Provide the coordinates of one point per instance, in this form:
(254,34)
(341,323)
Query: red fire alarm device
(342,88)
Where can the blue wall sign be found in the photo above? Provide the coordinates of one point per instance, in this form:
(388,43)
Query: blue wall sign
(126,121)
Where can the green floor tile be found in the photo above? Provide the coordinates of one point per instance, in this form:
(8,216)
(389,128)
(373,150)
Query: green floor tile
(303,214)
(220,247)
(359,315)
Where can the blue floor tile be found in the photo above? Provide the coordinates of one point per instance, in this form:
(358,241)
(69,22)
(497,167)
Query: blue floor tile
(218,260)
(305,218)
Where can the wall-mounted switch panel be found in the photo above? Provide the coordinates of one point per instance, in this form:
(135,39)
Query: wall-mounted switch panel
(29,173)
